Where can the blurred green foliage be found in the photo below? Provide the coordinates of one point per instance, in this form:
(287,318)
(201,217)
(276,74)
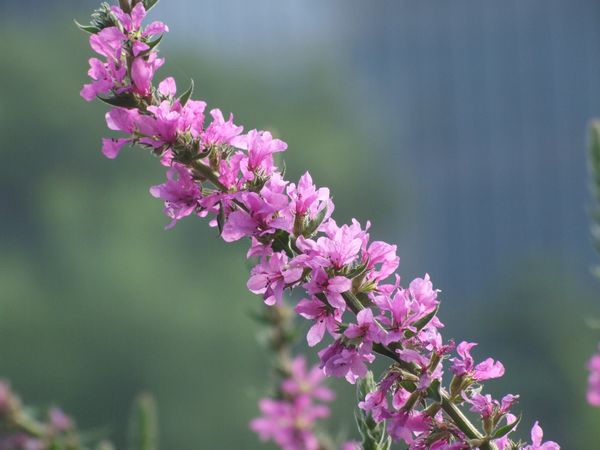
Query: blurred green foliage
(98,303)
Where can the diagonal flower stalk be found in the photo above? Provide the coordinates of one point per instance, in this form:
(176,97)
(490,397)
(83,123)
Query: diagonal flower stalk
(218,172)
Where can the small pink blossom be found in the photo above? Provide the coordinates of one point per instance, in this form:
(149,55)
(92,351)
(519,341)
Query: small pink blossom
(332,288)
(326,319)
(272,276)
(465,366)
(350,362)
(366,328)
(537,435)
(180,193)
(593,390)
(303,381)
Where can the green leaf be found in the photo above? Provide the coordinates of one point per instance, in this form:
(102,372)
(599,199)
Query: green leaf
(123,101)
(187,94)
(149,4)
(143,429)
(503,431)
(314,224)
(87,28)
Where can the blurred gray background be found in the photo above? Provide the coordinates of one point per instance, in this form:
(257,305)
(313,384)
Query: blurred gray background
(458,128)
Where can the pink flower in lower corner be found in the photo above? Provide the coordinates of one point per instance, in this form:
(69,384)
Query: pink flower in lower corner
(537,435)
(593,391)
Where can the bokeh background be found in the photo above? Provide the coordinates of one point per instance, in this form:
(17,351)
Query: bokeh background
(458,128)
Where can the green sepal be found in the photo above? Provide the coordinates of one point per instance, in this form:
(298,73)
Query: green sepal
(87,28)
(187,94)
(315,223)
(503,431)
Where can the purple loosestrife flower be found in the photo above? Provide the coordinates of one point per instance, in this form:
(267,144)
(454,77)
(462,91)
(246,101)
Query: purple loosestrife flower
(365,329)
(307,200)
(537,435)
(303,381)
(339,360)
(326,318)
(403,426)
(105,76)
(593,391)
(290,421)
(260,146)
(272,276)
(465,366)
(220,132)
(332,288)
(180,193)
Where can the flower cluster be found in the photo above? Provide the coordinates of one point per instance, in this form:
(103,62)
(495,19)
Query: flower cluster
(350,288)
(289,420)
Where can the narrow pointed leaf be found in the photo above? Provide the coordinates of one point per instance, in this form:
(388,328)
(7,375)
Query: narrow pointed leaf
(503,431)
(187,94)
(123,101)
(149,4)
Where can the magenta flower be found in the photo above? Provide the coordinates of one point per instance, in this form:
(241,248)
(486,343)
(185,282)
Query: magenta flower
(465,366)
(376,403)
(142,73)
(381,260)
(332,288)
(339,248)
(366,329)
(180,193)
(306,382)
(537,434)
(307,200)
(105,76)
(112,147)
(339,361)
(272,276)
(404,425)
(260,146)
(220,132)
(593,390)
(326,319)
